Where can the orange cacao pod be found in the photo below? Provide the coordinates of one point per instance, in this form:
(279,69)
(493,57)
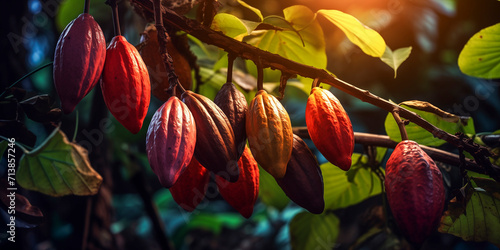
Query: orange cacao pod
(415,191)
(242,194)
(330,128)
(189,190)
(215,148)
(269,132)
(233,103)
(78,60)
(303,181)
(158,75)
(170,140)
(125,84)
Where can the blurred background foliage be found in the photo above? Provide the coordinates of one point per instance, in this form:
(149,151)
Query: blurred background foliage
(436,30)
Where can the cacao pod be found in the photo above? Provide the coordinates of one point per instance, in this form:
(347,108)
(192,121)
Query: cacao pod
(330,128)
(415,191)
(170,140)
(269,132)
(125,84)
(303,181)
(233,103)
(215,148)
(78,60)
(242,194)
(189,190)
(158,74)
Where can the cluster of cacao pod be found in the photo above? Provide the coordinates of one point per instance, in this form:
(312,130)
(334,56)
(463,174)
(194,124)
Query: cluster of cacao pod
(81,60)
(415,191)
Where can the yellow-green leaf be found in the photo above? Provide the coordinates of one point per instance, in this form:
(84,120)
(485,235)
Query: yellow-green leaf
(369,40)
(311,231)
(308,48)
(232,26)
(255,10)
(395,58)
(58,167)
(480,57)
(479,219)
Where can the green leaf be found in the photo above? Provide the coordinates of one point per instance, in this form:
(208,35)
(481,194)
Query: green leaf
(479,219)
(310,231)
(308,48)
(480,57)
(58,167)
(232,26)
(269,191)
(395,58)
(370,41)
(446,121)
(340,192)
(255,10)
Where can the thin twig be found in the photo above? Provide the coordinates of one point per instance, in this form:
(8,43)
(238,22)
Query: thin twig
(401,124)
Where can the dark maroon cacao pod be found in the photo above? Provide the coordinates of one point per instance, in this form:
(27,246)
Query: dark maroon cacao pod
(415,191)
(303,181)
(233,103)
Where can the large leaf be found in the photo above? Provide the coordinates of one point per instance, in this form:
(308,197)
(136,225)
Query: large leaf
(446,121)
(270,193)
(480,57)
(395,58)
(344,189)
(58,167)
(300,39)
(310,231)
(479,219)
(370,41)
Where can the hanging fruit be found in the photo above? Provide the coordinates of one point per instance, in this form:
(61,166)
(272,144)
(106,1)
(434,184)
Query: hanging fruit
(190,189)
(78,60)
(156,68)
(415,191)
(170,140)
(269,132)
(330,128)
(242,194)
(233,103)
(303,181)
(215,147)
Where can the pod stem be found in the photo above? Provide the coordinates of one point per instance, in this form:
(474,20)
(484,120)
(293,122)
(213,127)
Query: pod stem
(260,74)
(116,20)
(315,83)
(230,62)
(86,7)
(283,81)
(401,124)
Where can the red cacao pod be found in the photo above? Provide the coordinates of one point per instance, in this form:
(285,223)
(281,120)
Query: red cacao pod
(269,132)
(242,194)
(330,128)
(233,103)
(125,84)
(158,75)
(415,191)
(78,60)
(303,181)
(170,140)
(215,148)
(189,190)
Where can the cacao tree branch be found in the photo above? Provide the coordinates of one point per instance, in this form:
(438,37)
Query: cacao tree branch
(434,153)
(275,61)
